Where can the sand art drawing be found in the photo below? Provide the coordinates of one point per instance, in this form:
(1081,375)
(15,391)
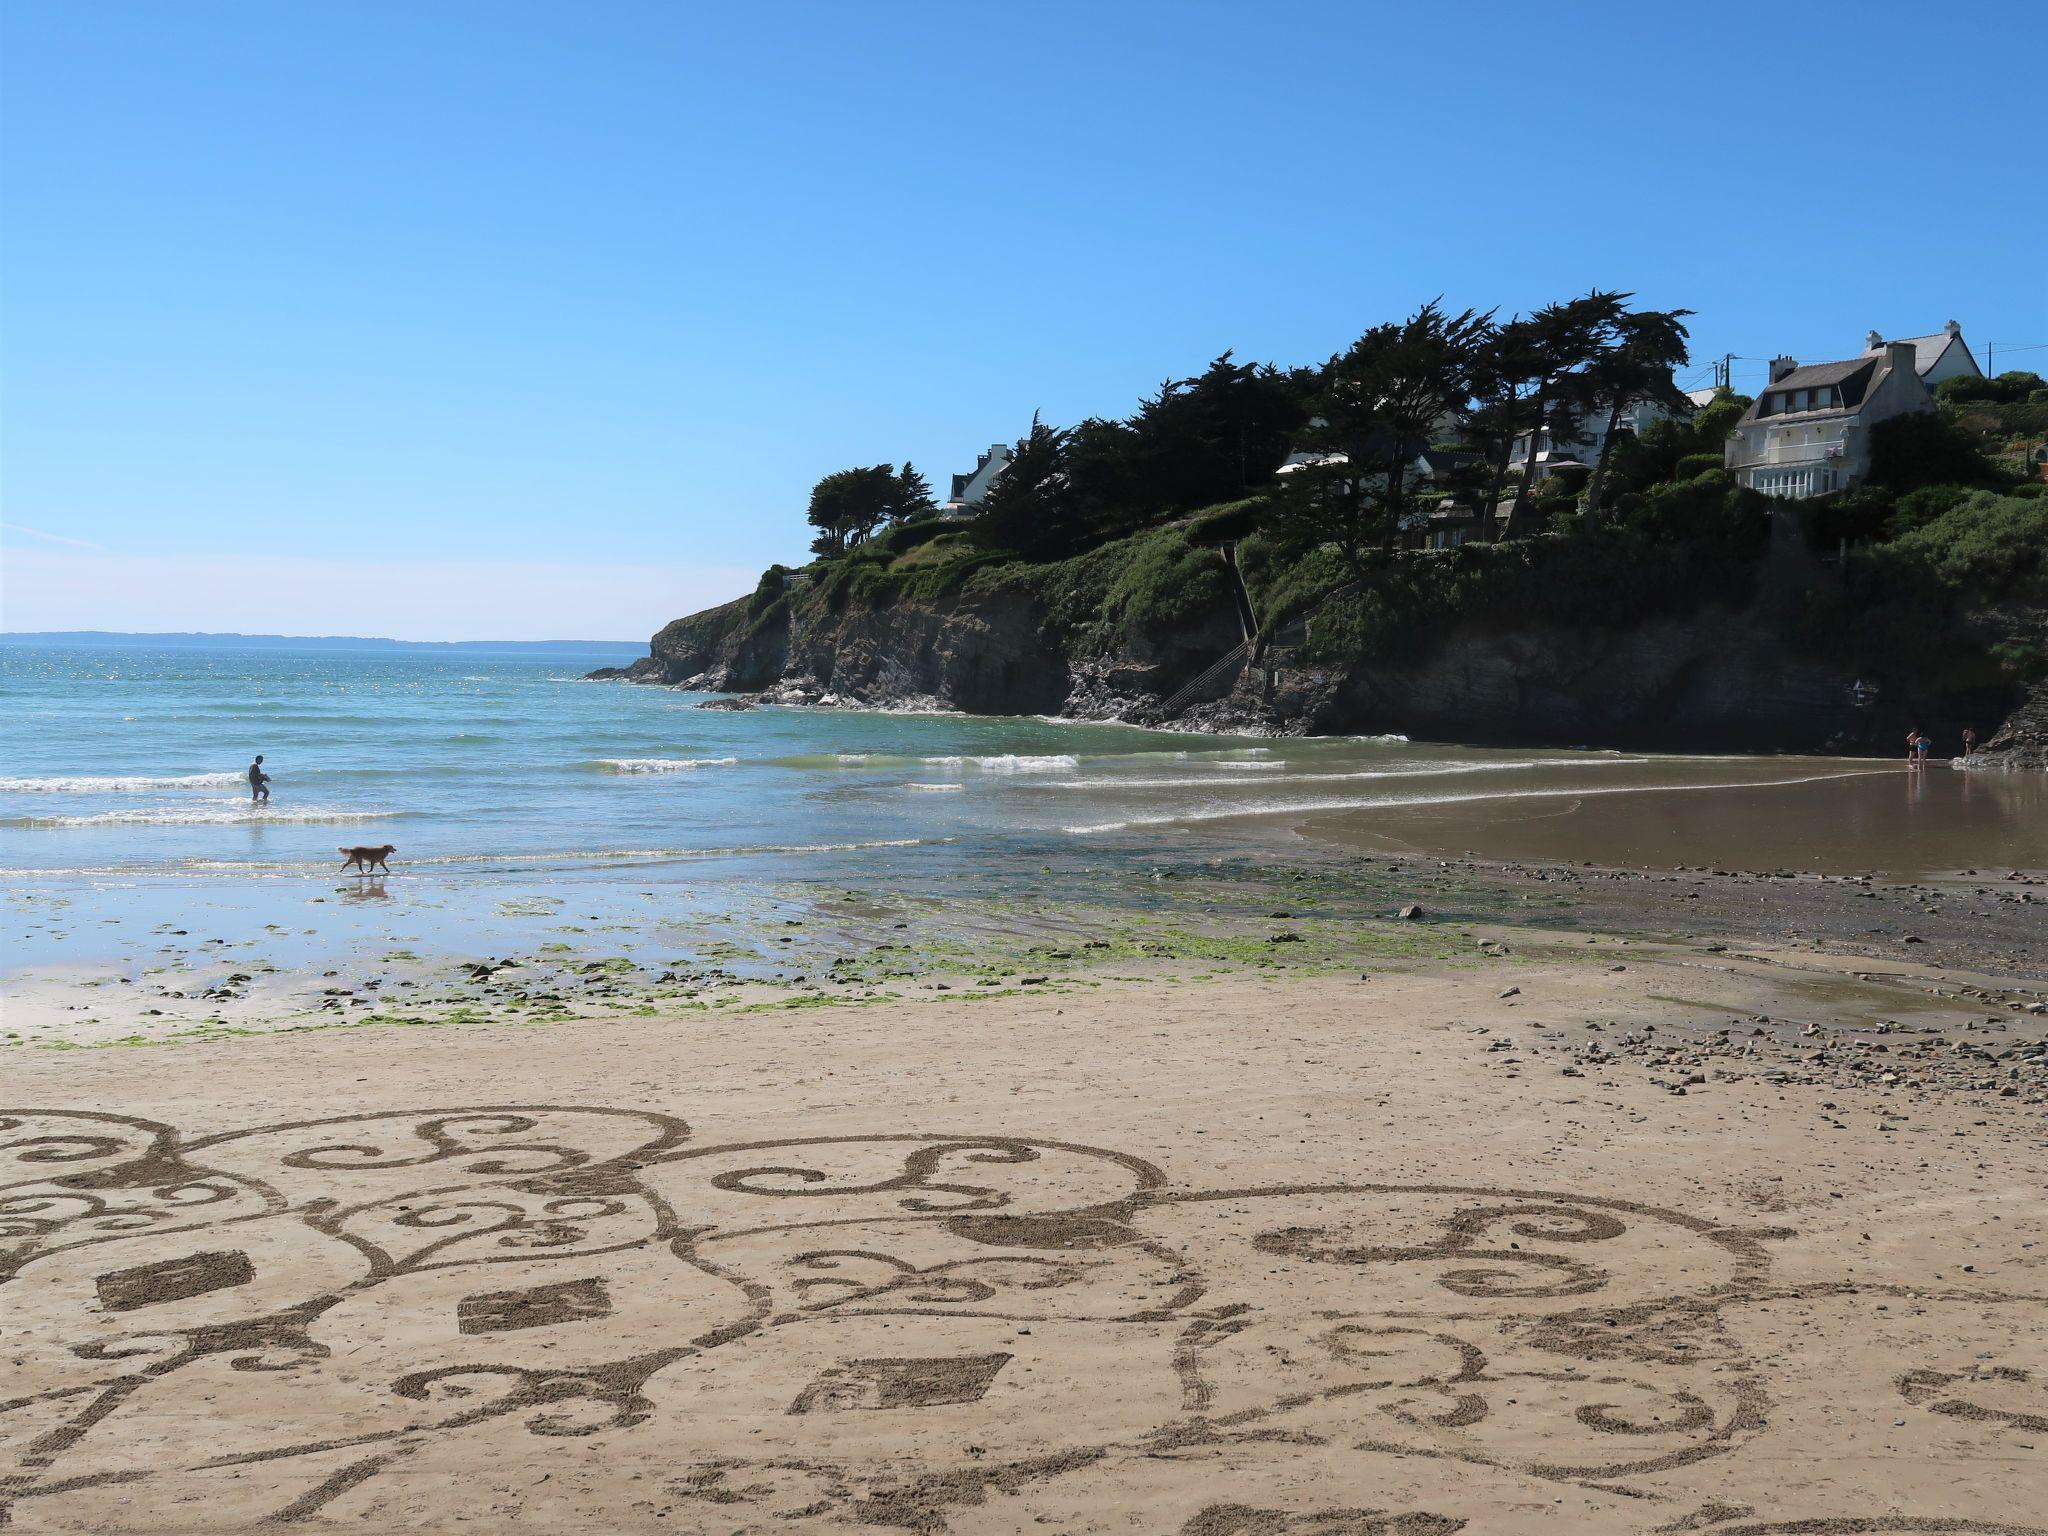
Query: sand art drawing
(814,1329)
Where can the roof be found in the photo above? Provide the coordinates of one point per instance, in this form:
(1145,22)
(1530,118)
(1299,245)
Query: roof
(1702,398)
(1442,459)
(1816,375)
(1927,350)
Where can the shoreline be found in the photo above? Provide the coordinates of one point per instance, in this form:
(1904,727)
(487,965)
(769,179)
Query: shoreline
(143,961)
(1192,1189)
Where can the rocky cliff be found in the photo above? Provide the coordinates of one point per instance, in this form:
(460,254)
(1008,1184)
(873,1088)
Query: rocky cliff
(1078,641)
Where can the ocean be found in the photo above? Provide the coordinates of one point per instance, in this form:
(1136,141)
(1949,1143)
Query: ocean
(600,831)
(121,763)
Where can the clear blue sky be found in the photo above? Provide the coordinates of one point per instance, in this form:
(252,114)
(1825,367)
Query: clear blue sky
(312,307)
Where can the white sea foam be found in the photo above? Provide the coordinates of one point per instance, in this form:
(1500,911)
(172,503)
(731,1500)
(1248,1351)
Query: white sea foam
(935,788)
(661,764)
(118,784)
(232,815)
(1402,802)
(1010,762)
(1423,770)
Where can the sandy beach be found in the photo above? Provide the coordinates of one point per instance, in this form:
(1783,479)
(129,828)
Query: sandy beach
(1504,1228)
(895,770)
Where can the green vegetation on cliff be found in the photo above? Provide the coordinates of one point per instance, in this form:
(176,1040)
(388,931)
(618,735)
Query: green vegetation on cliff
(1400,524)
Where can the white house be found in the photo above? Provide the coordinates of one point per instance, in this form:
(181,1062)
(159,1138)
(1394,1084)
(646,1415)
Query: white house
(1944,355)
(969,489)
(1808,433)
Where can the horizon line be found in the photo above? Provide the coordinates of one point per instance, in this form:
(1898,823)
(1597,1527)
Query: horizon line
(234,634)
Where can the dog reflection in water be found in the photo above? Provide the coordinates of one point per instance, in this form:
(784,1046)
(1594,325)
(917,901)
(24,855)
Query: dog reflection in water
(370,889)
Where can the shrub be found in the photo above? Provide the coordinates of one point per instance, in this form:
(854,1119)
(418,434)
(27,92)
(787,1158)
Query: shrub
(1908,452)
(904,537)
(1564,483)
(769,617)
(1693,465)
(2010,387)
(2021,662)
(767,591)
(1916,509)
(1985,546)
(1227,524)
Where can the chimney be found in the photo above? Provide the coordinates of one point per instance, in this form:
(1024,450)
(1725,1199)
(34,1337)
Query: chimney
(1782,365)
(1872,342)
(1901,355)
(1954,328)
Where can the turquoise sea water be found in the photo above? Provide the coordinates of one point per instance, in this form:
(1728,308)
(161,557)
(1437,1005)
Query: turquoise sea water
(125,763)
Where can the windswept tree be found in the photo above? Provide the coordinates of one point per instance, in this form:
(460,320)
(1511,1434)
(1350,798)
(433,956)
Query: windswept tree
(847,508)
(1382,402)
(914,497)
(1216,436)
(1193,443)
(1032,508)
(1418,377)
(1548,356)
(1643,347)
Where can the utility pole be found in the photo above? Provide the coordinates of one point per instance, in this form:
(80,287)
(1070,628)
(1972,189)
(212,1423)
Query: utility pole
(1724,371)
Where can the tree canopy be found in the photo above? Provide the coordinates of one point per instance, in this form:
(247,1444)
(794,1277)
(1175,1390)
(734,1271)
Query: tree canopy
(850,506)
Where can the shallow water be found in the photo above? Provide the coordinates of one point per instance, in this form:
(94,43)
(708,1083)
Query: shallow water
(125,763)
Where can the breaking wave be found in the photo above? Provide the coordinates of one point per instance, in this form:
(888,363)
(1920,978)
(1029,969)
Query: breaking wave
(118,784)
(660,764)
(1010,762)
(214,816)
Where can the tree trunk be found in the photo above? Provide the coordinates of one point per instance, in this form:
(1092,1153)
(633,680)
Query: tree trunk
(1538,422)
(1598,484)
(1397,490)
(1499,483)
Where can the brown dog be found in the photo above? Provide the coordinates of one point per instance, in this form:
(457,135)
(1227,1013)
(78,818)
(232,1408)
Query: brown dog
(367,859)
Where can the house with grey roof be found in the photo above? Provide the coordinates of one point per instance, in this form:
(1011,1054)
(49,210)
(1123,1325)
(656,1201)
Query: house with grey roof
(1944,355)
(969,489)
(1808,432)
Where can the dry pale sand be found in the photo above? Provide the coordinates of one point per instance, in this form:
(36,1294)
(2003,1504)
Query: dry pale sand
(1242,1258)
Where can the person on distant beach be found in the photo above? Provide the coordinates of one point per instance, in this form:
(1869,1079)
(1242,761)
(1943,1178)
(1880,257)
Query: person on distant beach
(1969,742)
(259,781)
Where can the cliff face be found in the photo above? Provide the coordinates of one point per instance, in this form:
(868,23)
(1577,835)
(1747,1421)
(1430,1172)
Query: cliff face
(1715,681)
(990,653)
(1717,678)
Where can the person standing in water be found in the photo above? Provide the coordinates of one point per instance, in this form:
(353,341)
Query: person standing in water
(259,781)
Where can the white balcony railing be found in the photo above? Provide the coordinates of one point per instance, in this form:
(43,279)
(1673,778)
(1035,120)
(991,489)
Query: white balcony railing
(1802,453)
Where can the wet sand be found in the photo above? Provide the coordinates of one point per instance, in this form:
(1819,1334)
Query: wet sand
(1878,819)
(1207,1194)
